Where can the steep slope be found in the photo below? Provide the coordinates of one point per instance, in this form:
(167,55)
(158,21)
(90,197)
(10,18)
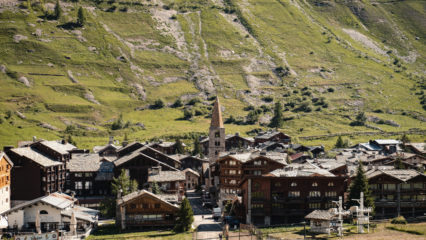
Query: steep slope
(325,61)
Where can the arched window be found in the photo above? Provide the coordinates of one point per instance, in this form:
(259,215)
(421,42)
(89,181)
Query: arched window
(43,212)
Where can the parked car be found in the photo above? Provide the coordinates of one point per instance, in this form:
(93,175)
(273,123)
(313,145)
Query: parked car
(231,221)
(217,213)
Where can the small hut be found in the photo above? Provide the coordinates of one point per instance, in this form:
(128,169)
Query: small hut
(321,221)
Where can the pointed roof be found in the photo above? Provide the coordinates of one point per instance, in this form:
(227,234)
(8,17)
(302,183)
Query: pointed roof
(216,115)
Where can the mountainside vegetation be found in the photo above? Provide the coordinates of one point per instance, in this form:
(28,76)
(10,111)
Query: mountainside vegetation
(149,69)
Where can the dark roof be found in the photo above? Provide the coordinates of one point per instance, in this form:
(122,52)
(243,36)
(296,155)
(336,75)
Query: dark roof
(268,135)
(62,148)
(400,174)
(167,176)
(140,193)
(86,162)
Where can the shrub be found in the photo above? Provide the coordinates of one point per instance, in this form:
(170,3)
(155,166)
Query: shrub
(231,119)
(295,91)
(187,114)
(81,17)
(158,104)
(194,101)
(249,108)
(177,103)
(268,98)
(399,220)
(330,89)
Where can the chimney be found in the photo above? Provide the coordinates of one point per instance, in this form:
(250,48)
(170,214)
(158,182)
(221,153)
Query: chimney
(237,134)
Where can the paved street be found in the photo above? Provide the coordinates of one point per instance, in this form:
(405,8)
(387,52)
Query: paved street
(207,228)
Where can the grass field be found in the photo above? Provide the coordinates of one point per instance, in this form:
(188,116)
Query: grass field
(132,53)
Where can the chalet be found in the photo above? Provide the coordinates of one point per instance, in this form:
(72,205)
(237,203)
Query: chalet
(138,162)
(388,146)
(321,221)
(335,167)
(232,142)
(90,176)
(417,148)
(272,136)
(5,178)
(109,149)
(288,195)
(234,167)
(57,150)
(398,192)
(192,178)
(144,209)
(171,182)
(54,212)
(45,172)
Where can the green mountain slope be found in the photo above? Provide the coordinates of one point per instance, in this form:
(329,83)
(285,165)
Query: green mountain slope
(326,61)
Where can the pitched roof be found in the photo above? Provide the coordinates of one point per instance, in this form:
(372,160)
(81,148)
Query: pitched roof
(301,170)
(400,174)
(320,215)
(82,213)
(387,141)
(139,193)
(62,148)
(87,162)
(3,155)
(167,176)
(268,134)
(251,155)
(191,171)
(97,149)
(35,156)
(58,200)
(216,115)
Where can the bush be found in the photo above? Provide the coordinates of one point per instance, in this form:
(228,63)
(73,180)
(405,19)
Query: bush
(249,108)
(177,103)
(187,114)
(268,99)
(330,89)
(399,220)
(231,119)
(158,104)
(194,101)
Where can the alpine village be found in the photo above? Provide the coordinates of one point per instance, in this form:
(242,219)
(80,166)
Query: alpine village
(212,119)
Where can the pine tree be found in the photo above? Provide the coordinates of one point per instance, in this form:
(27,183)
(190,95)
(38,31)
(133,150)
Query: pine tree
(277,120)
(197,147)
(155,188)
(81,17)
(124,184)
(339,142)
(405,139)
(58,10)
(360,184)
(185,217)
(179,147)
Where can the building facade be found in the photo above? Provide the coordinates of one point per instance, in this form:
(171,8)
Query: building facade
(5,179)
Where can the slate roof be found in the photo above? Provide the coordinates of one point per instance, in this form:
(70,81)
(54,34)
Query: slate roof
(167,176)
(268,134)
(58,146)
(82,213)
(139,193)
(88,162)
(35,156)
(192,171)
(420,147)
(251,155)
(400,174)
(320,215)
(301,170)
(58,200)
(97,149)
(139,152)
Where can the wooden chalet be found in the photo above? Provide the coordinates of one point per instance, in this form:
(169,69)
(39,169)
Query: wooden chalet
(171,182)
(144,209)
(272,136)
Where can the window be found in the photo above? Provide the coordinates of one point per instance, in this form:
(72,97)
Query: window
(330,194)
(233,181)
(257,163)
(405,186)
(217,134)
(373,186)
(405,197)
(293,184)
(78,185)
(257,205)
(257,195)
(217,143)
(390,197)
(232,172)
(152,217)
(314,184)
(88,174)
(277,184)
(257,172)
(232,163)
(314,205)
(294,194)
(44,212)
(389,186)
(78,174)
(314,194)
(328,205)
(88,185)
(418,185)
(277,205)
(331,184)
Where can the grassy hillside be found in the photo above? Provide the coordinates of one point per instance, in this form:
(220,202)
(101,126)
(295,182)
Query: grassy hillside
(325,61)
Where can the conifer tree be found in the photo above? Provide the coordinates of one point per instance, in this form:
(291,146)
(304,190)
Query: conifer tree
(197,147)
(360,184)
(277,120)
(58,10)
(185,217)
(155,188)
(405,139)
(339,142)
(81,17)
(179,147)
(123,183)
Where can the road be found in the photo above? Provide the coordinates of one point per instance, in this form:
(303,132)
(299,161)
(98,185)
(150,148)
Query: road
(207,227)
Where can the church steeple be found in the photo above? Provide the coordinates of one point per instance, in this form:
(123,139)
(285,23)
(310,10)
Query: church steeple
(216,133)
(216,115)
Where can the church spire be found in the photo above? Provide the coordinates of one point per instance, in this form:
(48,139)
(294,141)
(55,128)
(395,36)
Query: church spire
(216,115)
